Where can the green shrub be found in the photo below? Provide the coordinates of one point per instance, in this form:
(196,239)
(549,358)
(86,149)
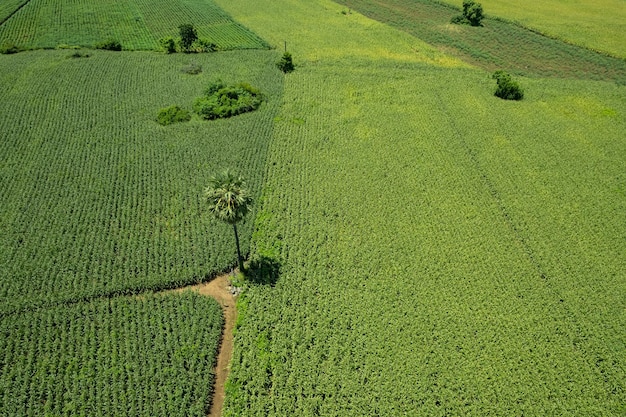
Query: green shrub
(79,54)
(168,44)
(9,48)
(110,45)
(472,14)
(172,114)
(204,45)
(191,69)
(507,89)
(286,63)
(221,100)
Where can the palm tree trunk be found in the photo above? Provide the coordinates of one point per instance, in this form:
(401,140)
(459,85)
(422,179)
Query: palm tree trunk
(239,258)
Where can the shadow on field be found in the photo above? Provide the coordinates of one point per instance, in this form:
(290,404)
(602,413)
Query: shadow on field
(263,270)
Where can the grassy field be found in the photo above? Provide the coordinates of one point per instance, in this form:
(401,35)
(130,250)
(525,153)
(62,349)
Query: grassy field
(152,356)
(138,24)
(497,45)
(99,199)
(443,252)
(598,25)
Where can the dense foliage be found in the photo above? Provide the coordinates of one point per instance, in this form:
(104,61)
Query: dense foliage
(137,24)
(507,89)
(149,356)
(286,63)
(221,100)
(188,35)
(472,14)
(173,114)
(109,45)
(99,199)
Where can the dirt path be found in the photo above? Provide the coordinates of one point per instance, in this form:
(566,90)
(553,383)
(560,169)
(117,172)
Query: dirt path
(218,289)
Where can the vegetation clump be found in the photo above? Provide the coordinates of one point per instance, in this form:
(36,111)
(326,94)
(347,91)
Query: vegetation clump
(472,14)
(9,48)
(187,42)
(173,114)
(168,44)
(286,63)
(79,54)
(110,45)
(192,69)
(508,89)
(188,35)
(221,100)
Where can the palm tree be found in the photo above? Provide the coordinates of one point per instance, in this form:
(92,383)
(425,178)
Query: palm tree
(229,201)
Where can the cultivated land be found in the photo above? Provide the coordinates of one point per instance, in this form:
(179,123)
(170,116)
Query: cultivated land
(443,252)
(137,24)
(98,200)
(597,24)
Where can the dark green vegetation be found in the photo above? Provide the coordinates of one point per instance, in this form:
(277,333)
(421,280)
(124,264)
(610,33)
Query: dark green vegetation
(110,45)
(148,356)
(508,89)
(497,45)
(97,198)
(222,101)
(188,35)
(286,63)
(173,114)
(137,24)
(472,14)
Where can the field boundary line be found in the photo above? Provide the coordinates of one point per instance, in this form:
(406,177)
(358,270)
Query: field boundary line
(3,21)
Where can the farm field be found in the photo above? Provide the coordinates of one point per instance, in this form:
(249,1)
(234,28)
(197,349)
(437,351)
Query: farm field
(497,45)
(598,25)
(98,199)
(443,252)
(123,356)
(138,24)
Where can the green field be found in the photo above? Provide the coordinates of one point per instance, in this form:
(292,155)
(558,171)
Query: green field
(598,24)
(443,252)
(497,45)
(152,356)
(138,24)
(99,199)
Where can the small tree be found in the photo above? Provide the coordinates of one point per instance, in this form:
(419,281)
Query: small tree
(286,63)
(188,36)
(507,89)
(229,201)
(472,14)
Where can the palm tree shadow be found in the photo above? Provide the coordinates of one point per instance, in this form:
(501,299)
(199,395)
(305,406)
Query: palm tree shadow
(263,270)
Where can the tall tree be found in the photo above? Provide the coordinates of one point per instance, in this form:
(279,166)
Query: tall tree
(229,201)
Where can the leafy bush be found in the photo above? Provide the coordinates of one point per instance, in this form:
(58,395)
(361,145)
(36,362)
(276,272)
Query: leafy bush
(110,45)
(9,48)
(472,14)
(286,63)
(507,89)
(172,114)
(79,54)
(188,36)
(192,69)
(221,100)
(168,44)
(204,45)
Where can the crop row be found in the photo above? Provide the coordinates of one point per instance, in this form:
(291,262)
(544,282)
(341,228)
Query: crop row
(97,197)
(137,25)
(148,356)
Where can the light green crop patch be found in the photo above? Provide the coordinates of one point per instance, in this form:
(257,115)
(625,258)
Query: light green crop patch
(320,30)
